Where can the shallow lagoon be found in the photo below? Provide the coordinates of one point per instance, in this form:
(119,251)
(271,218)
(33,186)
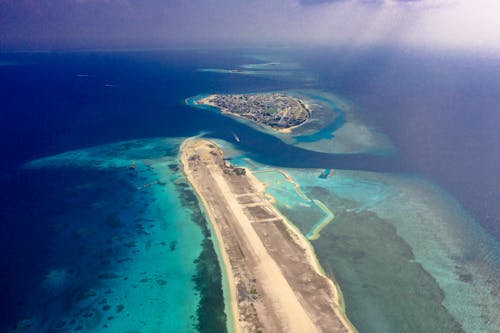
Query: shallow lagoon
(436,126)
(404,253)
(334,127)
(150,263)
(408,258)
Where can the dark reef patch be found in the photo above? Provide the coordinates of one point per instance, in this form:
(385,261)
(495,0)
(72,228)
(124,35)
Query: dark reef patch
(361,249)
(208,277)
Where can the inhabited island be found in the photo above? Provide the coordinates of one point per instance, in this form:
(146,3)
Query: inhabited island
(309,119)
(275,282)
(278,111)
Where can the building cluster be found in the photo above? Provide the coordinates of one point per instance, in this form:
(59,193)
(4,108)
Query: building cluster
(275,110)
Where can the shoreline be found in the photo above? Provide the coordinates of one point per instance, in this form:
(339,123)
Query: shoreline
(335,285)
(205,101)
(219,246)
(278,298)
(315,231)
(299,192)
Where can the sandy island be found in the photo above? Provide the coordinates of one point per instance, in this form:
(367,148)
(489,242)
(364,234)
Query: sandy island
(275,282)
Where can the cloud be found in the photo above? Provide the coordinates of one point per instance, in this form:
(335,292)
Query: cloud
(375,2)
(133,23)
(318,2)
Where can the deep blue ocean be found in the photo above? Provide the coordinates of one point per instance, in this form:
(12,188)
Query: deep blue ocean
(441,111)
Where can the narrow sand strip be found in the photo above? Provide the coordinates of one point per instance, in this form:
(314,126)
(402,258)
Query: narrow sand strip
(316,229)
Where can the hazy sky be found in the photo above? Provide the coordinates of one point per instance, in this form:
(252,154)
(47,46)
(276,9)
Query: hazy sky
(456,24)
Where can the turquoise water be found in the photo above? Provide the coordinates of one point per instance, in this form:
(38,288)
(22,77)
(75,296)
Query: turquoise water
(334,126)
(167,279)
(347,133)
(328,127)
(408,258)
(81,234)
